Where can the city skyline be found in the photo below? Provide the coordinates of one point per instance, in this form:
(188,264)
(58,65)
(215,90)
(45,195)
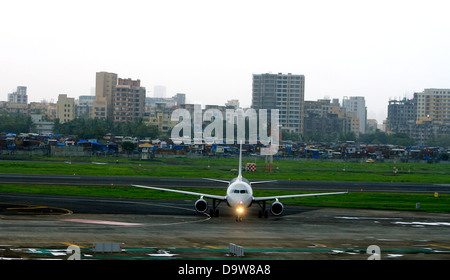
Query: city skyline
(210,51)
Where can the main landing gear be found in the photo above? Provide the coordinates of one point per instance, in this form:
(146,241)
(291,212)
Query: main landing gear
(214,212)
(263,211)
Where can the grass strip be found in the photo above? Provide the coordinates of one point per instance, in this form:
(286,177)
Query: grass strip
(284,170)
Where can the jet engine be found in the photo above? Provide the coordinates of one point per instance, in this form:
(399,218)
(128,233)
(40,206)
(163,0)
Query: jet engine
(276,208)
(201,205)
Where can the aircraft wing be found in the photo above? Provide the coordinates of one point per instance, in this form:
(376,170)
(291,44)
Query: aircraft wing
(217,180)
(293,196)
(262,182)
(218,197)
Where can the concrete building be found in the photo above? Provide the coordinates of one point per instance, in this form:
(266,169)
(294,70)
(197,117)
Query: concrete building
(424,117)
(19,96)
(160,116)
(326,121)
(233,103)
(42,127)
(357,105)
(46,109)
(65,108)
(434,103)
(401,113)
(176,100)
(128,101)
(104,88)
(285,92)
(372,125)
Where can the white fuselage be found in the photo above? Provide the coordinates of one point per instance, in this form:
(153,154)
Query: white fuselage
(239,193)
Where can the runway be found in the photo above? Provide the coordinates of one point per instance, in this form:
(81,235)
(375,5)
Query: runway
(322,186)
(146,226)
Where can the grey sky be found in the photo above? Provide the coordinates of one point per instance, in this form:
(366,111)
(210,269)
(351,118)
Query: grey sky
(209,49)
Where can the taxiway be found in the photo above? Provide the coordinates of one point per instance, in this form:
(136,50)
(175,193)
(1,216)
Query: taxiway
(145,226)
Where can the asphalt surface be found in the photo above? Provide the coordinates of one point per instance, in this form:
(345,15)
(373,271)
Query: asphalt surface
(43,226)
(326,186)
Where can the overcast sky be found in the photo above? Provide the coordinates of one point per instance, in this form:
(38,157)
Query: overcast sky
(210,49)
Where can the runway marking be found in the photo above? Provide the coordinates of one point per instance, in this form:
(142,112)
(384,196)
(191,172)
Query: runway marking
(110,223)
(439,246)
(207,246)
(71,244)
(39,207)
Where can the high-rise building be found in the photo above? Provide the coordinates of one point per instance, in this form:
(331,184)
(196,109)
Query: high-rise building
(357,105)
(285,92)
(128,101)
(65,108)
(434,104)
(19,96)
(425,116)
(104,88)
(401,113)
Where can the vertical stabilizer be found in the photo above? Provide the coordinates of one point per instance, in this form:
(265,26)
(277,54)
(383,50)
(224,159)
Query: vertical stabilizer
(240,161)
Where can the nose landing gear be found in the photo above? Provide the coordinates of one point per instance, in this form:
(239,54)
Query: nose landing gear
(238,218)
(239,214)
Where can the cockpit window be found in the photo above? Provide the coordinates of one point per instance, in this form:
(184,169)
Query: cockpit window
(239,191)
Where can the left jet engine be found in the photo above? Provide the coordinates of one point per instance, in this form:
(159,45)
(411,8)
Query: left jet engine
(277,208)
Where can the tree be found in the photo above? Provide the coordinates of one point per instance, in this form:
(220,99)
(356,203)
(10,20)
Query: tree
(401,139)
(128,146)
(16,123)
(439,141)
(95,128)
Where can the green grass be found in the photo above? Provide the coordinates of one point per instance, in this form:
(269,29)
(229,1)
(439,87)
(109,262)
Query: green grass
(220,168)
(364,200)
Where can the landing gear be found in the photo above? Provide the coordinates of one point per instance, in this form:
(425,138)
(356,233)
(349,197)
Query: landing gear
(263,211)
(238,218)
(214,212)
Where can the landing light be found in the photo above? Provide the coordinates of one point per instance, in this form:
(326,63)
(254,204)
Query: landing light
(240,210)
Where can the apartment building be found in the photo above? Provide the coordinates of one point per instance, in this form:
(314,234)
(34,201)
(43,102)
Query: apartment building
(434,104)
(327,120)
(285,92)
(357,105)
(19,96)
(104,89)
(400,113)
(128,100)
(65,108)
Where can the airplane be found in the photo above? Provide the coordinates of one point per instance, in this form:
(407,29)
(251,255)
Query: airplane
(239,196)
